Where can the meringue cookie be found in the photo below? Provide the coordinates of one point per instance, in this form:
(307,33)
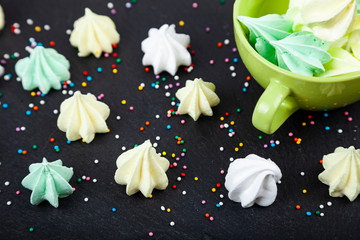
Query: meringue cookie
(342,172)
(43,69)
(197,97)
(94,34)
(328,19)
(165,49)
(142,169)
(48,181)
(2,18)
(81,116)
(252,180)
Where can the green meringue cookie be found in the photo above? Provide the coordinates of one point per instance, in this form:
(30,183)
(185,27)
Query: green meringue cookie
(302,53)
(264,29)
(48,181)
(43,69)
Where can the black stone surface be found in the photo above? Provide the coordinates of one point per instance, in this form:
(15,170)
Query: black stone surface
(136,216)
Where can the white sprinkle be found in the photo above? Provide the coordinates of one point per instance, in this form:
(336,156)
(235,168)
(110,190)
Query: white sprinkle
(110,5)
(56,111)
(128,5)
(233,74)
(64,92)
(226,41)
(94,180)
(18,79)
(231,135)
(118,117)
(167,94)
(157,86)
(83,177)
(176,77)
(16,54)
(172,223)
(96,161)
(329,204)
(226,125)
(8,203)
(68,31)
(42,102)
(231,159)
(6,56)
(23,128)
(340,131)
(31,105)
(279,182)
(155,145)
(183,192)
(221,203)
(173,103)
(232,68)
(246,84)
(123,148)
(162,208)
(221,196)
(322,214)
(321,206)
(7,183)
(142,84)
(157,138)
(86,199)
(17,31)
(221,149)
(302,173)
(179,179)
(17,25)
(6,77)
(29,21)
(157,116)
(277,142)
(71,92)
(166,87)
(47,27)
(117,136)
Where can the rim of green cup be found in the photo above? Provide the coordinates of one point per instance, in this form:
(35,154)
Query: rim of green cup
(240,34)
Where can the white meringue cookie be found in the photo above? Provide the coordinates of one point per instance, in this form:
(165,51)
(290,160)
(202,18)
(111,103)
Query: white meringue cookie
(197,97)
(252,180)
(165,49)
(142,169)
(81,116)
(342,172)
(94,34)
(2,18)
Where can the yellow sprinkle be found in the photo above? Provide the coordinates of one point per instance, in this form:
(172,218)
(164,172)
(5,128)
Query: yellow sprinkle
(82,140)
(33,94)
(164,153)
(173,155)
(213,189)
(304,191)
(196,178)
(221,118)
(304,124)
(236,149)
(232,123)
(38,29)
(140,88)
(114,70)
(150,196)
(168,210)
(123,102)
(241,144)
(181,23)
(84,84)
(108,130)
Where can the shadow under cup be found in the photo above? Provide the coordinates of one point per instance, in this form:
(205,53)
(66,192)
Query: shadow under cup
(286,92)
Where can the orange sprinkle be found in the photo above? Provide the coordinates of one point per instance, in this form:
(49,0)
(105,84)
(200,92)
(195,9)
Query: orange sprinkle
(147,69)
(52,139)
(147,123)
(52,43)
(219,44)
(207,215)
(297,207)
(36,108)
(321,161)
(142,129)
(248,78)
(24,152)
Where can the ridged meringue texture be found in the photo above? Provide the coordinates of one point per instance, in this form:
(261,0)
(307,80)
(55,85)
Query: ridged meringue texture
(142,169)
(94,34)
(48,181)
(342,172)
(252,180)
(2,18)
(197,97)
(81,116)
(43,69)
(165,49)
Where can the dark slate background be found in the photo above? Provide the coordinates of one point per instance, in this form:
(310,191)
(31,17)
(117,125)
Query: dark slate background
(136,216)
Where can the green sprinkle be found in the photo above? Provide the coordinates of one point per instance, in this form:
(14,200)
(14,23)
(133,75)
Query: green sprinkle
(31,229)
(238,110)
(222,1)
(79,180)
(184,150)
(260,137)
(176,137)
(118,60)
(136,145)
(35,146)
(317,212)
(182,141)
(134,1)
(1,94)
(57,150)
(163,79)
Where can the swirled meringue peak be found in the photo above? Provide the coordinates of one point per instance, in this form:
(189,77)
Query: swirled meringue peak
(43,69)
(81,116)
(142,169)
(48,181)
(165,49)
(197,97)
(342,172)
(252,180)
(94,34)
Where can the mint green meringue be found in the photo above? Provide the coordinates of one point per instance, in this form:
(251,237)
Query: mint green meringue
(48,181)
(43,69)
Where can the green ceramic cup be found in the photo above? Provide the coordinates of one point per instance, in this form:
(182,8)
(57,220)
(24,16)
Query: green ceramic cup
(286,92)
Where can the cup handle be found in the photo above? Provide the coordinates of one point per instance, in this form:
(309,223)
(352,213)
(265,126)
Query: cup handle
(273,107)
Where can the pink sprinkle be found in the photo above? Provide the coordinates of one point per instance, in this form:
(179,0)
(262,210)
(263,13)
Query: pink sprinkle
(182,121)
(290,134)
(38,93)
(178,84)
(184,167)
(272,141)
(312,122)
(151,234)
(74,189)
(131,108)
(106,55)
(169,115)
(349,119)
(221,125)
(265,145)
(170,86)
(222,172)
(175,164)
(17,192)
(203,202)
(234,49)
(182,154)
(102,95)
(157,76)
(211,218)
(227,60)
(177,159)
(65,86)
(176,113)
(346,113)
(194,5)
(233,133)
(87,178)
(99,97)
(17,129)
(211,62)
(113,11)
(207,29)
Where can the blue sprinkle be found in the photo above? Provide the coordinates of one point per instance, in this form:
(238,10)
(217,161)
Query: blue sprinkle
(56,147)
(89,78)
(72,84)
(235,60)
(19,151)
(68,141)
(272,145)
(5,105)
(308,213)
(28,112)
(177,104)
(99,69)
(326,114)
(113,209)
(327,128)
(153,84)
(168,126)
(231,130)
(218,205)
(244,89)
(9,75)
(40,44)
(42,94)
